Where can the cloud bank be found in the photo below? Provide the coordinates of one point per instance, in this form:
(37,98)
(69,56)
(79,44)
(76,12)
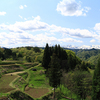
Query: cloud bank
(71,8)
(37,25)
(2,13)
(19,33)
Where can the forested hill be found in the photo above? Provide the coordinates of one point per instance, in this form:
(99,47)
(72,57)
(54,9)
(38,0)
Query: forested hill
(90,55)
(26,53)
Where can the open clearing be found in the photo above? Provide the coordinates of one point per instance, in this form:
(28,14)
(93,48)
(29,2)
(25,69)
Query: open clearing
(4,83)
(36,92)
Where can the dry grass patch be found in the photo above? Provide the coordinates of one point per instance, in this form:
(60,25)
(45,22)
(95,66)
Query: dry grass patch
(36,92)
(4,83)
(4,98)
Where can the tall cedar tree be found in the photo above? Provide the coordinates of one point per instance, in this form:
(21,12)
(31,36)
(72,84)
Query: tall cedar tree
(96,83)
(54,72)
(46,57)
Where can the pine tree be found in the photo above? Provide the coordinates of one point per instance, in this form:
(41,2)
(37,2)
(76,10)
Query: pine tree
(56,50)
(59,51)
(46,57)
(54,72)
(96,83)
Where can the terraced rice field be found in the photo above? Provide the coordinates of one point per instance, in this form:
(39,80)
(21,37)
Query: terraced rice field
(36,92)
(4,83)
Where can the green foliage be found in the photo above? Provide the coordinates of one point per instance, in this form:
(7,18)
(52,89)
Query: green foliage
(46,57)
(67,58)
(79,82)
(83,66)
(24,75)
(54,72)
(7,53)
(0,75)
(38,58)
(65,92)
(90,55)
(36,49)
(96,83)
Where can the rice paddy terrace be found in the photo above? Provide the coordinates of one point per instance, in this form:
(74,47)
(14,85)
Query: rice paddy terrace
(24,79)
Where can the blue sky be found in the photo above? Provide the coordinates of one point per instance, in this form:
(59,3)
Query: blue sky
(70,23)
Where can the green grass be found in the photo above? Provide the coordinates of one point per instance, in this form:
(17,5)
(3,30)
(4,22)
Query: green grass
(67,93)
(20,83)
(3,94)
(91,71)
(24,75)
(37,78)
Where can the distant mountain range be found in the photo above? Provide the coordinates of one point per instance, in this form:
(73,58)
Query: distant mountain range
(72,47)
(80,47)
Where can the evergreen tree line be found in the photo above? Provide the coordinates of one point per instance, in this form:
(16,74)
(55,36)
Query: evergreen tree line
(67,60)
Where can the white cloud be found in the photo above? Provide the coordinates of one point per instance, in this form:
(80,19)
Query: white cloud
(97,27)
(25,19)
(37,18)
(33,17)
(93,40)
(71,8)
(37,25)
(31,25)
(25,5)
(20,16)
(73,32)
(13,39)
(49,33)
(21,7)
(26,38)
(2,13)
(69,40)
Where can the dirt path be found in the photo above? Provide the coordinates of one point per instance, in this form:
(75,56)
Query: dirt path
(15,73)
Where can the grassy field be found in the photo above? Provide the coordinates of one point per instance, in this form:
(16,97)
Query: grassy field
(38,79)
(4,83)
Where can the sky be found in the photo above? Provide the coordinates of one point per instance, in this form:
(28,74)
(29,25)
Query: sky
(70,23)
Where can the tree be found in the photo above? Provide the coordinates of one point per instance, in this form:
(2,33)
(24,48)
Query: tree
(54,73)
(96,83)
(7,53)
(46,57)
(79,82)
(36,49)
